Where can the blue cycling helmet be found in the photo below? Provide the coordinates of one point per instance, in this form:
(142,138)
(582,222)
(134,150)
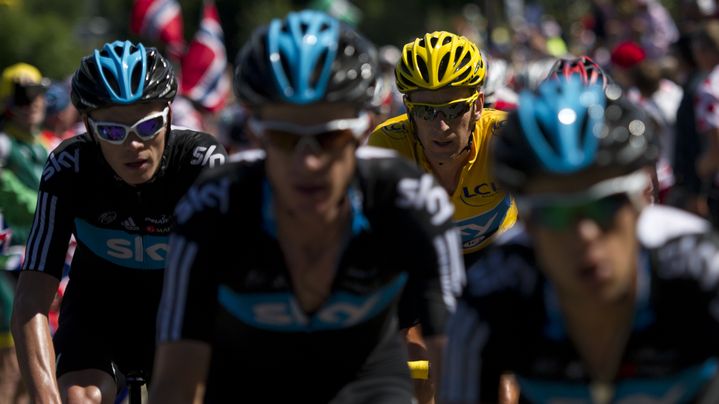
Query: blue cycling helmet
(566,127)
(305,58)
(122,73)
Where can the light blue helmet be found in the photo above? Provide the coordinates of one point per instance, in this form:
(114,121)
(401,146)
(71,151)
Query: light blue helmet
(566,127)
(122,73)
(306,57)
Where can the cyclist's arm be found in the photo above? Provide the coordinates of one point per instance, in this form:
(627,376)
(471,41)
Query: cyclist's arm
(36,355)
(41,272)
(186,312)
(436,270)
(175,381)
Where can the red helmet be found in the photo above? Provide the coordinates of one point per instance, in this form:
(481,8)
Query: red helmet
(583,67)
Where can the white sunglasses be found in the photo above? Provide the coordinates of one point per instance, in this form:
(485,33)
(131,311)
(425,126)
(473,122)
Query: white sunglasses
(146,128)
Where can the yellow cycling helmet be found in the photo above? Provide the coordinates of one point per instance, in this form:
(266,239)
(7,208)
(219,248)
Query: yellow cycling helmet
(18,73)
(437,60)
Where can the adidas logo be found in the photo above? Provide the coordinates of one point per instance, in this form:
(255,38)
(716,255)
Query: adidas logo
(129,224)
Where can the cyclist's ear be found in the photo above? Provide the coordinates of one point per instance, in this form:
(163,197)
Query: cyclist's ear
(478,105)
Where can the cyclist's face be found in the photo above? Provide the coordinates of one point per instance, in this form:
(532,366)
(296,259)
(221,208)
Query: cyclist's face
(134,160)
(309,175)
(592,255)
(441,137)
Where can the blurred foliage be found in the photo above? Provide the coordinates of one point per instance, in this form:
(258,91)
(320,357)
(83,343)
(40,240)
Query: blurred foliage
(55,34)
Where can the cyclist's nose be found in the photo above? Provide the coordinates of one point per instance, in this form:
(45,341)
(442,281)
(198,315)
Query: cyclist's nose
(133,141)
(587,230)
(311,162)
(440,122)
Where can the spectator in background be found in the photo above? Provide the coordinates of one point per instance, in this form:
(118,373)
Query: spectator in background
(61,117)
(387,102)
(705,47)
(655,27)
(497,91)
(642,78)
(686,193)
(645,21)
(22,156)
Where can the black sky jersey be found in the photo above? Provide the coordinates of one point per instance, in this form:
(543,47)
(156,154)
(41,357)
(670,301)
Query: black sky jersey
(227,283)
(122,231)
(509,319)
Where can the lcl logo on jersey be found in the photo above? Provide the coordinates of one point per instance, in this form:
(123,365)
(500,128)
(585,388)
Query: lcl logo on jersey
(476,195)
(204,155)
(210,195)
(64,160)
(423,193)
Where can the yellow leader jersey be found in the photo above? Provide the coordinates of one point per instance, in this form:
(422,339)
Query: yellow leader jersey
(481,208)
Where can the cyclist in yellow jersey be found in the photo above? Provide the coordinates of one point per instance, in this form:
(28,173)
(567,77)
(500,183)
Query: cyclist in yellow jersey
(447,131)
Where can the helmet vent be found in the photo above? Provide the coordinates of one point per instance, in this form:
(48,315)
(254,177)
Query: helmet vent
(321,60)
(135,78)
(422,67)
(463,75)
(111,79)
(458,53)
(443,63)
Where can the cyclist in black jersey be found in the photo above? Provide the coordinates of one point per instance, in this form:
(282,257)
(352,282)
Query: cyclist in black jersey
(286,269)
(602,298)
(115,189)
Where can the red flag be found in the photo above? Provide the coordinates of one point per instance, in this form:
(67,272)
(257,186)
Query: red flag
(159,20)
(203,78)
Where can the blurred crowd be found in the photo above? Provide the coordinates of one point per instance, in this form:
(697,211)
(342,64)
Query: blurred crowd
(669,66)
(663,63)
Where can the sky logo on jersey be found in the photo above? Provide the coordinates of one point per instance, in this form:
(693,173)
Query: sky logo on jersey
(124,249)
(424,194)
(63,160)
(203,156)
(475,230)
(198,198)
(281,312)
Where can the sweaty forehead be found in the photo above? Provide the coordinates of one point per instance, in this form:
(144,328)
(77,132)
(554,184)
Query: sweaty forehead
(441,96)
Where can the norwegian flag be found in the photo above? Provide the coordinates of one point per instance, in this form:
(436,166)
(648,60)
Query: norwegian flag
(203,78)
(159,20)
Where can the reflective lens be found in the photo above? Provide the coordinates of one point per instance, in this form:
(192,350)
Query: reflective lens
(113,133)
(146,128)
(149,127)
(450,111)
(558,217)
